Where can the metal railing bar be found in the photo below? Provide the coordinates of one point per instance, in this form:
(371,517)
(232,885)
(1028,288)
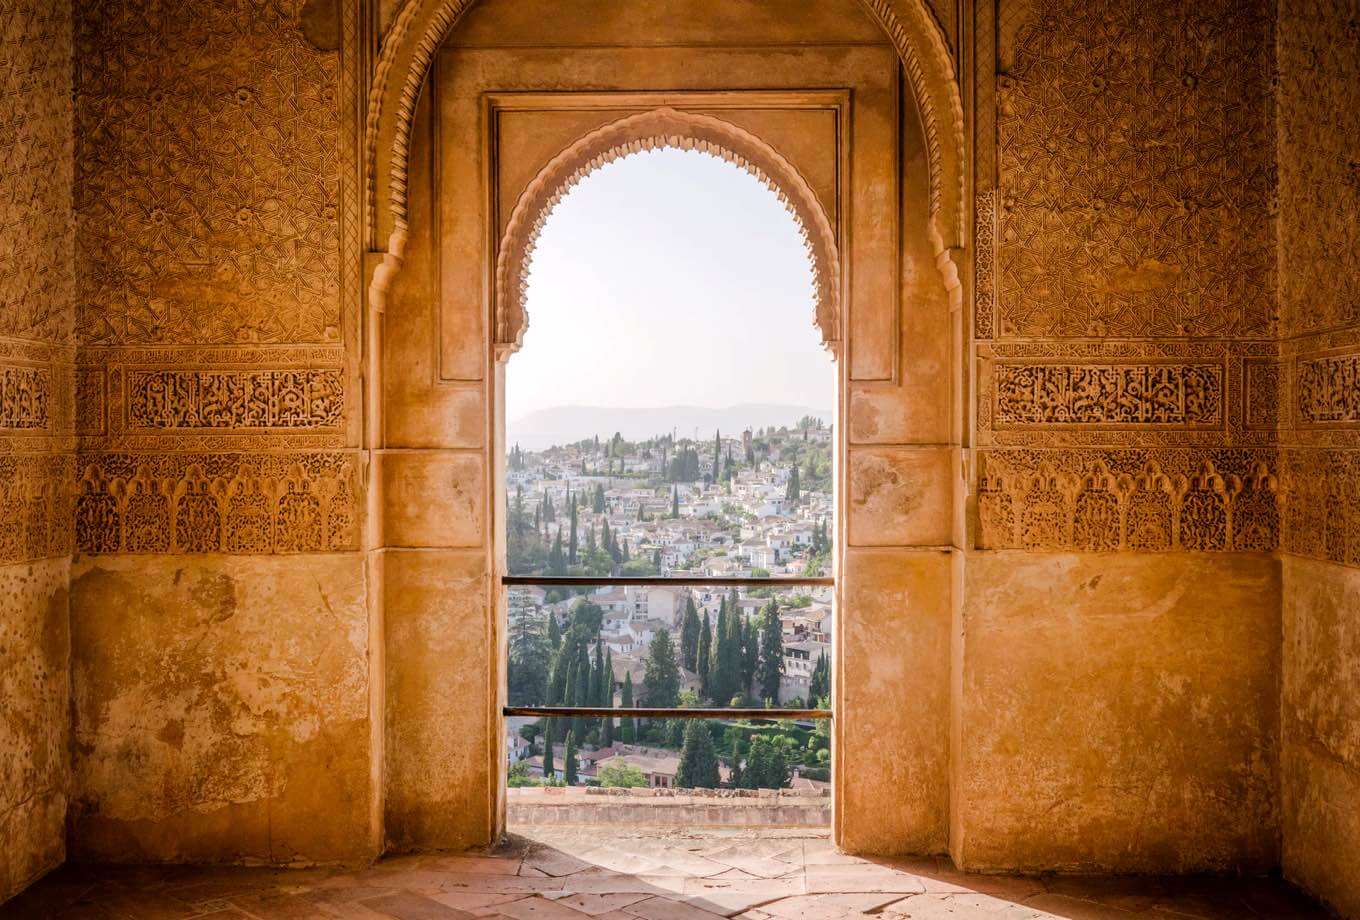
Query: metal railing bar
(639,712)
(587,581)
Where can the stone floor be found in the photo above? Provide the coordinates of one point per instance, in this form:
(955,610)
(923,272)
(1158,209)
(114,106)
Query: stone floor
(562,873)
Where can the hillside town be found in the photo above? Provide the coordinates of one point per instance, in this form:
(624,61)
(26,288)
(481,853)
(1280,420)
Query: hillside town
(755,504)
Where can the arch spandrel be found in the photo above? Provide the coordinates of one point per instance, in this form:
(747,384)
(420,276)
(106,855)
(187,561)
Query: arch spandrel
(420,27)
(653,130)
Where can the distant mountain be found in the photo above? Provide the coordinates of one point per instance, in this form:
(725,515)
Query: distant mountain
(566,424)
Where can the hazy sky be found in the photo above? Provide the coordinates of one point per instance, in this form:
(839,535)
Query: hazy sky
(669,278)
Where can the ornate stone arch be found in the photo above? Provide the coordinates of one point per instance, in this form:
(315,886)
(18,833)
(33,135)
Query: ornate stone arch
(421,26)
(656,129)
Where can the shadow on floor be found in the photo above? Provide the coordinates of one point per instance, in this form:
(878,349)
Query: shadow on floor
(562,873)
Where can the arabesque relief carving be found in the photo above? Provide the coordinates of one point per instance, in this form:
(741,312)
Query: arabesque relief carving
(209,179)
(235,399)
(24,396)
(659,128)
(1327,390)
(1108,394)
(230,503)
(1322,515)
(1147,501)
(1132,193)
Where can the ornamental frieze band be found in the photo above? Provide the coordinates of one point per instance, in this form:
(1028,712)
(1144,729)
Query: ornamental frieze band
(235,399)
(1181,395)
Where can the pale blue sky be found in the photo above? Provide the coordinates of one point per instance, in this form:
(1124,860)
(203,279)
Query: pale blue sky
(669,278)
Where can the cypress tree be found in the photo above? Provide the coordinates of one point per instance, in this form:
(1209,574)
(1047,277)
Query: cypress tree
(557,563)
(569,760)
(689,635)
(661,681)
(717,451)
(579,723)
(819,687)
(599,496)
(675,501)
(629,729)
(549,513)
(698,759)
(732,654)
(548,769)
(750,652)
(702,655)
(771,665)
(718,684)
(792,492)
(607,696)
(554,632)
(572,545)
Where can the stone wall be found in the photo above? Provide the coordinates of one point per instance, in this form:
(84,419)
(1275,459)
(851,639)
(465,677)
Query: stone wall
(36,349)
(1318,50)
(218,506)
(1121,598)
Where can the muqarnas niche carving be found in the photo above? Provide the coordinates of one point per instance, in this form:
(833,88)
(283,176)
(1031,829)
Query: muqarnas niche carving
(217,503)
(235,399)
(1142,500)
(1182,395)
(1322,516)
(35,506)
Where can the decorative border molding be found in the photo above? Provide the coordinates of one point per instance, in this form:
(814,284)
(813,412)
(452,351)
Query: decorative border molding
(1326,391)
(661,128)
(217,503)
(984,265)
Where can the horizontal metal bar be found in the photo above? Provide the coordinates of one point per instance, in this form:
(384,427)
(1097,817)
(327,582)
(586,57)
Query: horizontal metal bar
(586,581)
(637,712)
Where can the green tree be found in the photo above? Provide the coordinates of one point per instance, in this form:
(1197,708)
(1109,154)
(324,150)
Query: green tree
(628,731)
(750,652)
(689,635)
(698,759)
(767,765)
(770,667)
(792,492)
(598,503)
(717,451)
(661,680)
(621,775)
(569,764)
(607,698)
(675,501)
(549,771)
(529,658)
(819,686)
(720,683)
(557,562)
(554,631)
(571,543)
(703,652)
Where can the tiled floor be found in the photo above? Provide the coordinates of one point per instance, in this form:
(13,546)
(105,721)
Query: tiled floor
(584,874)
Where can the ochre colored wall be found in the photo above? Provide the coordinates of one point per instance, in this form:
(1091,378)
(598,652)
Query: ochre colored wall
(1117,645)
(1318,52)
(36,438)
(221,709)
(220,610)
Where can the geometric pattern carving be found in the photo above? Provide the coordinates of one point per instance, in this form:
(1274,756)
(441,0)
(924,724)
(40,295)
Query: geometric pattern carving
(1135,171)
(210,503)
(208,193)
(1148,501)
(36,229)
(1327,390)
(1318,164)
(1183,395)
(24,396)
(237,399)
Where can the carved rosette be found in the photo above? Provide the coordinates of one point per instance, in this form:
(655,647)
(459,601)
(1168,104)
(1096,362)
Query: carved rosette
(658,129)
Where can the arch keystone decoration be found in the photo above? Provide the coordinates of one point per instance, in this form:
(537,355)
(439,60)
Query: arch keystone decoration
(657,129)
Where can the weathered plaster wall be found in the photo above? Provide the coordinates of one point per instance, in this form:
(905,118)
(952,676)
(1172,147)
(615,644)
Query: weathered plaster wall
(36,349)
(1318,50)
(1120,712)
(1117,648)
(220,709)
